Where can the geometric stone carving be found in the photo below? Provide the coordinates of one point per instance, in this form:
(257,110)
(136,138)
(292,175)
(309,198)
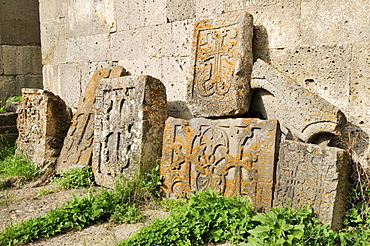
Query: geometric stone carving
(302,114)
(233,156)
(221,65)
(314,175)
(129,124)
(78,144)
(43,121)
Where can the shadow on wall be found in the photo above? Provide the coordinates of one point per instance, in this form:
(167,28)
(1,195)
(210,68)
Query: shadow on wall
(260,44)
(178,109)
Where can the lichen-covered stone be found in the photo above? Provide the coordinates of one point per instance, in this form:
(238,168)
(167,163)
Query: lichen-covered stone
(302,114)
(232,156)
(78,145)
(221,66)
(313,175)
(129,124)
(43,121)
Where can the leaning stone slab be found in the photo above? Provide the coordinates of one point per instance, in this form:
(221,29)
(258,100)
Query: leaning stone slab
(302,114)
(43,121)
(129,123)
(314,175)
(78,145)
(221,65)
(232,156)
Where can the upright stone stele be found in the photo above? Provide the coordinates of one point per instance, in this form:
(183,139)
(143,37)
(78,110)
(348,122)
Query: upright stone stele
(232,156)
(314,175)
(43,121)
(78,145)
(129,123)
(221,66)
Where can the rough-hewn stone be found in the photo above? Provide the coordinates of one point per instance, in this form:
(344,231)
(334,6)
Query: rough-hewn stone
(129,124)
(302,114)
(221,66)
(78,145)
(43,121)
(232,156)
(8,128)
(314,175)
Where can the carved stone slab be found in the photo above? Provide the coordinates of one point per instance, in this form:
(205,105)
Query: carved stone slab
(43,121)
(314,175)
(221,66)
(232,156)
(78,145)
(129,123)
(301,113)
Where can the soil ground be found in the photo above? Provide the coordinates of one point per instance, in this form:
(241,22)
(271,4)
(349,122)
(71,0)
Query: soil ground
(17,205)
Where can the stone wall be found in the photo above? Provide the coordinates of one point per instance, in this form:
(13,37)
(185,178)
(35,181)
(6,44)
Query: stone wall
(20,51)
(321,44)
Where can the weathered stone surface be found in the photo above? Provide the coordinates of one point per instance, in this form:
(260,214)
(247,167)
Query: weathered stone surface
(232,156)
(43,121)
(8,128)
(129,124)
(302,114)
(221,66)
(314,175)
(78,145)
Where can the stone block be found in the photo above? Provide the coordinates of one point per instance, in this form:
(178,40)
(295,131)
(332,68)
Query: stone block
(53,39)
(90,48)
(43,121)
(313,175)
(130,14)
(359,101)
(325,70)
(103,16)
(78,144)
(8,128)
(156,41)
(181,40)
(334,22)
(205,8)
(69,83)
(79,18)
(232,156)
(221,66)
(87,70)
(27,81)
(8,87)
(155,12)
(51,80)
(129,124)
(1,60)
(178,10)
(302,114)
(21,60)
(124,45)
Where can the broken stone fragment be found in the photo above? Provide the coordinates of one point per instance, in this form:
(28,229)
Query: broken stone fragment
(78,144)
(232,156)
(302,114)
(313,175)
(129,124)
(43,121)
(221,65)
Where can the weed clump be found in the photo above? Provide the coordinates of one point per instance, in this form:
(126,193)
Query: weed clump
(75,178)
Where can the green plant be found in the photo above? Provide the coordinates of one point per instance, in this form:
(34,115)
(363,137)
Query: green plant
(206,217)
(17,169)
(75,178)
(9,100)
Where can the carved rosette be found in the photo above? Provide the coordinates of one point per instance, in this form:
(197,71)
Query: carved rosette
(231,156)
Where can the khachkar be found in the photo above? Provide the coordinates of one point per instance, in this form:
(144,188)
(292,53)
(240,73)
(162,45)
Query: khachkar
(78,145)
(43,121)
(129,122)
(232,156)
(221,66)
(314,175)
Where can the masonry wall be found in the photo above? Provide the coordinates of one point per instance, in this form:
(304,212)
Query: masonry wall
(20,47)
(322,44)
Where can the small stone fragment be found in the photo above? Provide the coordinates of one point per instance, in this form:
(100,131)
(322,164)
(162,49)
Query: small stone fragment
(43,121)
